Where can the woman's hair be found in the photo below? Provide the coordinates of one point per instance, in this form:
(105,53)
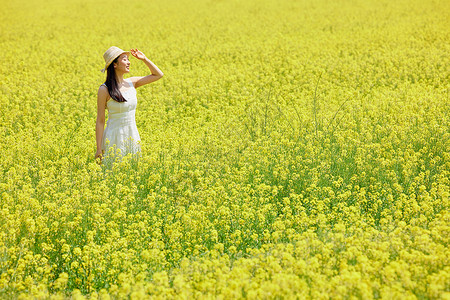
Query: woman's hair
(111,83)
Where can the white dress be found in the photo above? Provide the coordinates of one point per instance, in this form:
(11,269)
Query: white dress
(121,131)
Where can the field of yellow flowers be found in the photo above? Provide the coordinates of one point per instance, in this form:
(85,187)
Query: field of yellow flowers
(293,149)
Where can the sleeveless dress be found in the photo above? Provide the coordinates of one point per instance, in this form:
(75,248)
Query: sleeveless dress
(121,131)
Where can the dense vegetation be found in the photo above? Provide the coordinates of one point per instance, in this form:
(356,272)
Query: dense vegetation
(292,148)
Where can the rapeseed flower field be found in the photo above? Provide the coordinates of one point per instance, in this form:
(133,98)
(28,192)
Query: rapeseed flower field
(295,149)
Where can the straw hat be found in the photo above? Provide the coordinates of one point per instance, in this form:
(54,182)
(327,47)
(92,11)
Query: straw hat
(111,55)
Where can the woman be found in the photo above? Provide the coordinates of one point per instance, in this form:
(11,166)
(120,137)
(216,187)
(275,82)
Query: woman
(118,95)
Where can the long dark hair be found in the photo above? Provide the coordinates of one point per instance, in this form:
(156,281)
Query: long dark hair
(111,83)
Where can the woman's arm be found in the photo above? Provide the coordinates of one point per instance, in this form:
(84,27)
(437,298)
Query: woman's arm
(100,124)
(156,72)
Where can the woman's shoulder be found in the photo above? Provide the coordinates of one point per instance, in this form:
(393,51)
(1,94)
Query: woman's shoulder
(130,81)
(103,91)
(102,88)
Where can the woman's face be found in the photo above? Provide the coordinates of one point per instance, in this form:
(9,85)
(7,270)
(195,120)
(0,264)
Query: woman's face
(123,64)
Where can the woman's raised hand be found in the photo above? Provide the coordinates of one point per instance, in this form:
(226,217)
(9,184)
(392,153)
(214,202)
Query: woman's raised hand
(138,54)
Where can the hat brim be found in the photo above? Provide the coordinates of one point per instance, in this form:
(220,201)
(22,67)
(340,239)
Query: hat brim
(110,62)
